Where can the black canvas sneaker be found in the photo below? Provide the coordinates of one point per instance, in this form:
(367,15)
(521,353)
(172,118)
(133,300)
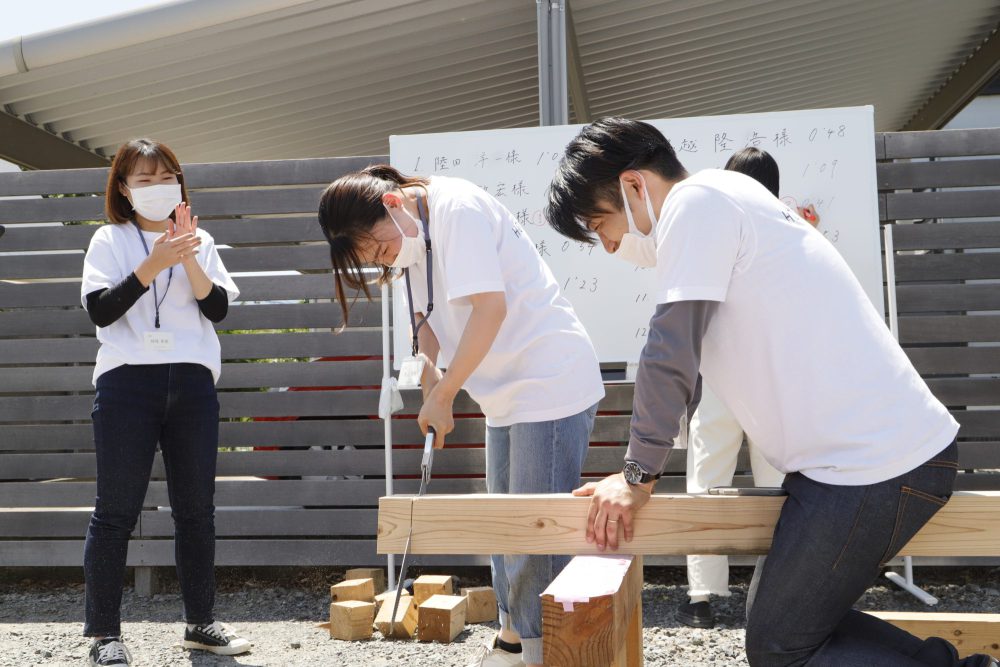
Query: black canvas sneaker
(109,651)
(215,637)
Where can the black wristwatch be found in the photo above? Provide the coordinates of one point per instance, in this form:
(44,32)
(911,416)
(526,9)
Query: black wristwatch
(635,475)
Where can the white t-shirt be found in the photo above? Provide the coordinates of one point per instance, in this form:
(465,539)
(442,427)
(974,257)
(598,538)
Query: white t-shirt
(542,365)
(115,251)
(796,350)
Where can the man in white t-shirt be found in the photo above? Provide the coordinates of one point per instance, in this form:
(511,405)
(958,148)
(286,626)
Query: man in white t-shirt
(762,304)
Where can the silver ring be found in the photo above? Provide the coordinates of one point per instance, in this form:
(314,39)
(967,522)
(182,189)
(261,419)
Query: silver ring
(612,520)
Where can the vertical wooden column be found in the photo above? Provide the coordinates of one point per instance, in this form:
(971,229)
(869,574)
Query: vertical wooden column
(592,613)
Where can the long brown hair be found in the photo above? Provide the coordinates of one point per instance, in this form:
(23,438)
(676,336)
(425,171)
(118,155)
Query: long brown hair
(348,210)
(117,207)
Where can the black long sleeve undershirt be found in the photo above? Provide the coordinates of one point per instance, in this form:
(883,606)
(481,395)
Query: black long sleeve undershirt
(215,305)
(107,305)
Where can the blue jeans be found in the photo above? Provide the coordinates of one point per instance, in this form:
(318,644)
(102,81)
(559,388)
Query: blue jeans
(137,407)
(829,545)
(539,457)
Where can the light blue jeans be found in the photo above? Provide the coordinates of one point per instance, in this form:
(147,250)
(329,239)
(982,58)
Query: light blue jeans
(539,457)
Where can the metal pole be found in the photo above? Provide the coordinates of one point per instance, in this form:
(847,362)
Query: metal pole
(553,86)
(560,86)
(386,374)
(544,63)
(904,581)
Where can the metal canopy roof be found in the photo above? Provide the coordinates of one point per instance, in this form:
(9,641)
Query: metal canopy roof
(222,80)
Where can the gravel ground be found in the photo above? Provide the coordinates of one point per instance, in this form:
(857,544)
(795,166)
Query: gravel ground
(40,620)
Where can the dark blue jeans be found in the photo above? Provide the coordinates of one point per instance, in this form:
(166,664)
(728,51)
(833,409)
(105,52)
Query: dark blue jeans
(829,546)
(137,407)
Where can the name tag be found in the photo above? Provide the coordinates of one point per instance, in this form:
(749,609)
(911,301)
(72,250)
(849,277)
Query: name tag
(410,372)
(158,341)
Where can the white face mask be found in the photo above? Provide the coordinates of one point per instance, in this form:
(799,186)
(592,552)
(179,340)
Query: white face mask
(156,202)
(636,247)
(413,248)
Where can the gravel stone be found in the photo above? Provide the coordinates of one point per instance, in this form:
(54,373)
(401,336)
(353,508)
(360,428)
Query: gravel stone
(41,620)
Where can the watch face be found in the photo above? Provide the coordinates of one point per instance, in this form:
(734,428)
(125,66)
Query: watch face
(632,472)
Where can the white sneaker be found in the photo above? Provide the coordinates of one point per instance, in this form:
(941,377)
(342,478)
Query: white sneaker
(216,638)
(494,656)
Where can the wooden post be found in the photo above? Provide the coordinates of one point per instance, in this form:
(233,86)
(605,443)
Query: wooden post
(592,613)
(630,652)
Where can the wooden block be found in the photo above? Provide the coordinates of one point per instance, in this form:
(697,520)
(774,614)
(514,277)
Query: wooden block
(351,620)
(353,589)
(427,585)
(376,574)
(482,605)
(969,525)
(970,633)
(388,595)
(441,618)
(591,613)
(405,625)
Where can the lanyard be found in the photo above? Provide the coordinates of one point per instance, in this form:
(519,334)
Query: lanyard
(414,325)
(157,302)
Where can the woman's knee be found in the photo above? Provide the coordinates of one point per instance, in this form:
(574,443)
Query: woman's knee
(112,524)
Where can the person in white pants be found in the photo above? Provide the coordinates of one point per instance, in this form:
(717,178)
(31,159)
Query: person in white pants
(716,436)
(713,449)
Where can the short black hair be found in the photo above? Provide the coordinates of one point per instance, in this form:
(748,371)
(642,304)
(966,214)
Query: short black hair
(757,164)
(587,176)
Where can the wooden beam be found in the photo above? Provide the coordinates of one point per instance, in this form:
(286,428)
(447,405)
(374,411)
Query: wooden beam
(970,633)
(592,613)
(969,525)
(963,85)
(31,146)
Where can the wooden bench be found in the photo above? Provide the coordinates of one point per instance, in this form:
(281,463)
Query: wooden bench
(265,214)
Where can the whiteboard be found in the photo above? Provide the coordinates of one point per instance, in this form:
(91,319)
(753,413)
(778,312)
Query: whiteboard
(826,158)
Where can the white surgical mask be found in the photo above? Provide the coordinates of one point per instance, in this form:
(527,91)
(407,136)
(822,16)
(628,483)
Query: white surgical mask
(636,247)
(413,248)
(156,202)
